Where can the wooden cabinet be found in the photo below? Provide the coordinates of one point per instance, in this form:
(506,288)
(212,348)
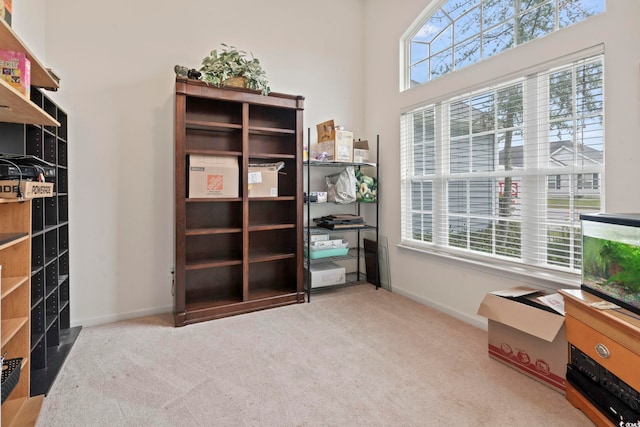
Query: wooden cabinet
(15,254)
(609,337)
(237,254)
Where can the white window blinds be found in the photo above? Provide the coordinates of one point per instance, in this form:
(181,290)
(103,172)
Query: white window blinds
(505,172)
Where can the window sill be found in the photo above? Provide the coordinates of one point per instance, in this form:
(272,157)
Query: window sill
(536,277)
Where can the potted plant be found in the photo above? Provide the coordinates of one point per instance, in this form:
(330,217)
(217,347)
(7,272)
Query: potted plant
(233,67)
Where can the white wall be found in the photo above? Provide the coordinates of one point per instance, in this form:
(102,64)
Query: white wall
(116,65)
(451,286)
(117,87)
(28,21)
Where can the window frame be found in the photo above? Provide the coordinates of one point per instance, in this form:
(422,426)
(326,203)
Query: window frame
(439,243)
(432,9)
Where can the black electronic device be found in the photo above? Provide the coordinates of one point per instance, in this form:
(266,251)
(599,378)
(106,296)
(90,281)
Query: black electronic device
(311,197)
(8,171)
(13,166)
(609,405)
(604,378)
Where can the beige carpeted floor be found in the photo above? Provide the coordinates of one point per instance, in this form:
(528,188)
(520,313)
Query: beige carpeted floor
(351,357)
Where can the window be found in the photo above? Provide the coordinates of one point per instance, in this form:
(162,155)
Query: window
(588,181)
(462,32)
(505,172)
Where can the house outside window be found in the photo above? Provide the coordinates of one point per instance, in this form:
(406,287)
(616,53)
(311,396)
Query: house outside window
(555,182)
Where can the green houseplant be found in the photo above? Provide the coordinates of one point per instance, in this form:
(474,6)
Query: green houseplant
(233,67)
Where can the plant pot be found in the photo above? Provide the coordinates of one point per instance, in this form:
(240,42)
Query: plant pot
(235,82)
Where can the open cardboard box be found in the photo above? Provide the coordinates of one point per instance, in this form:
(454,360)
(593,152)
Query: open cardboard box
(360,151)
(263,180)
(526,337)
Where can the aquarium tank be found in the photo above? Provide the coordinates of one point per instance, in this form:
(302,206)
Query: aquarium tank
(611,258)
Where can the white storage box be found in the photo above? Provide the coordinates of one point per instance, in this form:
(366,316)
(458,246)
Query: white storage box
(327,274)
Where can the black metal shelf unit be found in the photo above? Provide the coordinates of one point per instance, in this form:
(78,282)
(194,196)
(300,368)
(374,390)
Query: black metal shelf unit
(356,276)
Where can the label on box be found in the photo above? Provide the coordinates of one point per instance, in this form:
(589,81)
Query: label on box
(29,189)
(319,237)
(215,182)
(326,243)
(343,154)
(344,146)
(255,177)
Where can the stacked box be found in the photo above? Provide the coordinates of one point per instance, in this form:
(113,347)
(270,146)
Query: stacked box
(333,145)
(16,70)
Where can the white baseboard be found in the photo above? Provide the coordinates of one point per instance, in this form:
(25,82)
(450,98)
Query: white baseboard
(444,309)
(101,320)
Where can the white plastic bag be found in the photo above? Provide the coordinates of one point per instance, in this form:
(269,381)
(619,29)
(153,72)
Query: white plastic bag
(341,187)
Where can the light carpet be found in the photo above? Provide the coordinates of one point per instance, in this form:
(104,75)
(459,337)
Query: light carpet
(351,357)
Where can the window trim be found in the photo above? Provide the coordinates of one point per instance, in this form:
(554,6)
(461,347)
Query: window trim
(510,270)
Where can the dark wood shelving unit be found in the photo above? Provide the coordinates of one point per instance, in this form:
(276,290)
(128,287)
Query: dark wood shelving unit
(237,254)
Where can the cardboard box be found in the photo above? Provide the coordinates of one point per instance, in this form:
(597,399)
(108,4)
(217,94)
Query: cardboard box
(263,180)
(327,274)
(360,151)
(213,176)
(16,70)
(526,338)
(333,144)
(30,189)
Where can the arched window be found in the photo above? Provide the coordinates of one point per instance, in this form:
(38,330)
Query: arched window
(456,33)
